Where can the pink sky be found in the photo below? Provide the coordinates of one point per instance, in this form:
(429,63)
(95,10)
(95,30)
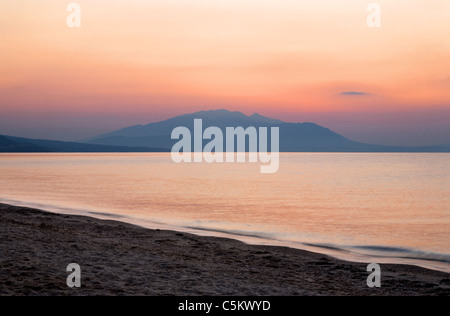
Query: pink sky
(135,62)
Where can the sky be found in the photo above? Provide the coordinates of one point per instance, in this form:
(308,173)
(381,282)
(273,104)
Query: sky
(136,62)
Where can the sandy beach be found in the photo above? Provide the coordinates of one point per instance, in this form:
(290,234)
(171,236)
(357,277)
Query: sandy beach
(122,259)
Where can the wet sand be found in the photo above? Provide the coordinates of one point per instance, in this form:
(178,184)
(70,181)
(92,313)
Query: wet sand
(122,259)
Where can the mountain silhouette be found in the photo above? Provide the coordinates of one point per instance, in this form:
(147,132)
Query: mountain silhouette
(156,137)
(219,118)
(294,137)
(10,144)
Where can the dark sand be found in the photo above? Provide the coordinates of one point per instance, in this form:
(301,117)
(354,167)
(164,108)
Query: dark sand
(122,259)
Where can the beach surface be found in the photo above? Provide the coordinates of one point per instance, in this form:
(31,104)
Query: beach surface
(121,259)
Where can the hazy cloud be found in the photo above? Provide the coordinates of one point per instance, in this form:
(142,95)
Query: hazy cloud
(354,93)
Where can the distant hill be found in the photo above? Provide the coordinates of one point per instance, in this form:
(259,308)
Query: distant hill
(219,118)
(155,137)
(294,137)
(10,144)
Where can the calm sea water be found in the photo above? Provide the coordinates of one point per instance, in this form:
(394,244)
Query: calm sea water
(362,207)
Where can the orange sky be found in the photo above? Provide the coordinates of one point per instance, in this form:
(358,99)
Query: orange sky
(164,57)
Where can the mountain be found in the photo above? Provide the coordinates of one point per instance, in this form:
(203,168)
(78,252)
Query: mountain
(156,137)
(8,145)
(12,144)
(219,118)
(294,137)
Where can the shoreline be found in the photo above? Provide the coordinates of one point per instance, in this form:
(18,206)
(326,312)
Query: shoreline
(117,258)
(341,253)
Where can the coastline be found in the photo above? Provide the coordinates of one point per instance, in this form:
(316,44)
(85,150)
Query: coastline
(122,259)
(404,256)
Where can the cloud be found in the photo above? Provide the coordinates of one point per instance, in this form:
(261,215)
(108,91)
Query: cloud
(354,93)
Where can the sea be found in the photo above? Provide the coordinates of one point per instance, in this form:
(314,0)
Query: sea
(364,207)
